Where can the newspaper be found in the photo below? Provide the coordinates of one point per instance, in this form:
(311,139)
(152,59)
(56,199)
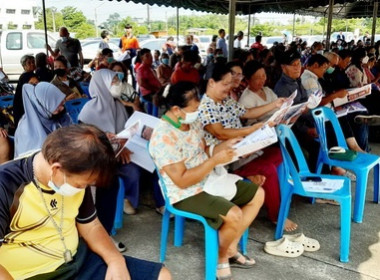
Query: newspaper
(254,142)
(353,94)
(120,140)
(349,108)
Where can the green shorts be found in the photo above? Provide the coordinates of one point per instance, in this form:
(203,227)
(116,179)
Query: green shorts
(213,207)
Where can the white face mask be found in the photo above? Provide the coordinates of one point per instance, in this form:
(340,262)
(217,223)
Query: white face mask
(365,60)
(190,117)
(65,189)
(67,83)
(320,52)
(116,90)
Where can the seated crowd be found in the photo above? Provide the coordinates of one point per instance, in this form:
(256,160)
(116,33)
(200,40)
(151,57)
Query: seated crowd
(205,107)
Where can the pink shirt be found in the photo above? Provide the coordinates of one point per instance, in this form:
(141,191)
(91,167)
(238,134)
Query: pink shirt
(147,76)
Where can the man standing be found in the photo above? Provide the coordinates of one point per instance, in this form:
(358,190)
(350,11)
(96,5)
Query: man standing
(129,43)
(105,35)
(221,43)
(69,48)
(341,36)
(257,44)
(237,42)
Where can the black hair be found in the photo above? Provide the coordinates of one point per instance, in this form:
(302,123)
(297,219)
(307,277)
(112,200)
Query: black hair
(89,151)
(345,53)
(220,70)
(221,30)
(143,51)
(317,58)
(214,37)
(157,52)
(233,64)
(251,68)
(357,56)
(62,59)
(118,63)
(258,38)
(104,34)
(190,56)
(181,93)
(41,60)
(107,52)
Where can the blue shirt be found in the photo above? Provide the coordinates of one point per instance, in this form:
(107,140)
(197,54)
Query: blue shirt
(221,44)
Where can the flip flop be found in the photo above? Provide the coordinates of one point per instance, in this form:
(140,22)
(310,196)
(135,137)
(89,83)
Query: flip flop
(284,247)
(327,201)
(234,261)
(309,244)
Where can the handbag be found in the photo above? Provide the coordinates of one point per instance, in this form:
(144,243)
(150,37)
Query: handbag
(221,183)
(340,153)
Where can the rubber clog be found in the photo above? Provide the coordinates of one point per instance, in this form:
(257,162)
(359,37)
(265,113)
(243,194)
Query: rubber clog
(284,247)
(309,244)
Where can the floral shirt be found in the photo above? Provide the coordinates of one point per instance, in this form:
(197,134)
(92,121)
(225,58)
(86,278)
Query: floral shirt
(227,113)
(170,145)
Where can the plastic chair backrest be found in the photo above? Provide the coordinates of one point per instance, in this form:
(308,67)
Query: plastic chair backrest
(6,101)
(288,141)
(85,88)
(73,107)
(321,115)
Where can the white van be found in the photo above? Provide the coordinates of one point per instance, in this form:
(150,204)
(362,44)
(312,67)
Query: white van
(16,43)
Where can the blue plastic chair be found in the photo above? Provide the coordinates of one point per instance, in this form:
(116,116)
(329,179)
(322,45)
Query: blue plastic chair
(6,101)
(360,166)
(211,235)
(290,183)
(85,88)
(118,221)
(73,107)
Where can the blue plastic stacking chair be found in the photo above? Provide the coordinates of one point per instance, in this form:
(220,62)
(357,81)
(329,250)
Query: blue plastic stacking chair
(73,107)
(360,166)
(85,88)
(211,235)
(118,221)
(290,183)
(6,101)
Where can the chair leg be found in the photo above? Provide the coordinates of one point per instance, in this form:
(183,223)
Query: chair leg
(211,252)
(376,175)
(283,213)
(164,234)
(118,221)
(345,229)
(243,242)
(179,225)
(361,189)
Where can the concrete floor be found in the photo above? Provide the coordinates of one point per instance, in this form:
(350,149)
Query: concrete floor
(141,234)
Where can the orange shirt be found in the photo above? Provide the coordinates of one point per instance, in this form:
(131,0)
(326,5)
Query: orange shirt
(129,43)
(180,76)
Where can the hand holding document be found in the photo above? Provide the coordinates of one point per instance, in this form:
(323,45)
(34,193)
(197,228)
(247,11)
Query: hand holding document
(353,94)
(120,140)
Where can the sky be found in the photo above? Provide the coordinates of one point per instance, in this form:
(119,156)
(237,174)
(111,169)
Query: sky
(105,8)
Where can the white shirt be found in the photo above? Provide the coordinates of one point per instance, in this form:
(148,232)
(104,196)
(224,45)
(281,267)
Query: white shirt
(237,44)
(250,99)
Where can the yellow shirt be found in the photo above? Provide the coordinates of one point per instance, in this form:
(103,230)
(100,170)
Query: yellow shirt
(33,245)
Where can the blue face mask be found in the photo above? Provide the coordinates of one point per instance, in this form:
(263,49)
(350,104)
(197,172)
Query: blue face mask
(64,39)
(165,61)
(120,75)
(110,60)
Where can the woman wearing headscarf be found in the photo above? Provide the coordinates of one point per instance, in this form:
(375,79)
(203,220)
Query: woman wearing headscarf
(106,112)
(44,113)
(28,76)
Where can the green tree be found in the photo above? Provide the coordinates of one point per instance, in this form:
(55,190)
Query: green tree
(50,23)
(73,18)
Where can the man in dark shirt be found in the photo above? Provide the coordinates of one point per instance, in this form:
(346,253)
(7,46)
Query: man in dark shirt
(290,81)
(69,48)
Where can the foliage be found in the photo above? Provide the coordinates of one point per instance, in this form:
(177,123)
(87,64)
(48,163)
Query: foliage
(58,19)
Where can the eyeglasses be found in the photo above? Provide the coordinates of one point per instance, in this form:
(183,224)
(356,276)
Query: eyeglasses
(237,75)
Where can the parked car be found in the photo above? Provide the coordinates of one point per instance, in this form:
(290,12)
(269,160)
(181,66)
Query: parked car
(153,44)
(269,41)
(144,37)
(16,43)
(91,48)
(204,42)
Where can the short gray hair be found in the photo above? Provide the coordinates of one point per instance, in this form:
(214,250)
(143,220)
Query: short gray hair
(331,55)
(25,58)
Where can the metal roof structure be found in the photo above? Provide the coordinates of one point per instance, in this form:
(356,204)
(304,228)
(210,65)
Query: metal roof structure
(342,8)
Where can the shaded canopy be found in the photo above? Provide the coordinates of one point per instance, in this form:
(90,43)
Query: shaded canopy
(342,8)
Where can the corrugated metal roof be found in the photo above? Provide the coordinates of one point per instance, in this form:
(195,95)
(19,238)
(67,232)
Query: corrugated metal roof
(342,8)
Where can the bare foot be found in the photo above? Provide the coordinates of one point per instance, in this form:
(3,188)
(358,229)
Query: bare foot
(289,225)
(257,179)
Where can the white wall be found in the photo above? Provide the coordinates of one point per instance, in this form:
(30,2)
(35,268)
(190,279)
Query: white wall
(23,13)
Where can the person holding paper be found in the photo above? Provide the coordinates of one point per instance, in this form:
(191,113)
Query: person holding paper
(106,111)
(186,165)
(220,117)
(256,95)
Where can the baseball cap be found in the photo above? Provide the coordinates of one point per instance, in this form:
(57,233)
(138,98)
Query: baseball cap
(289,56)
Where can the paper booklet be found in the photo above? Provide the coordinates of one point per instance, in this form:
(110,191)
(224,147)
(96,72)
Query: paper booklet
(349,108)
(139,141)
(254,142)
(120,140)
(324,186)
(288,114)
(353,94)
